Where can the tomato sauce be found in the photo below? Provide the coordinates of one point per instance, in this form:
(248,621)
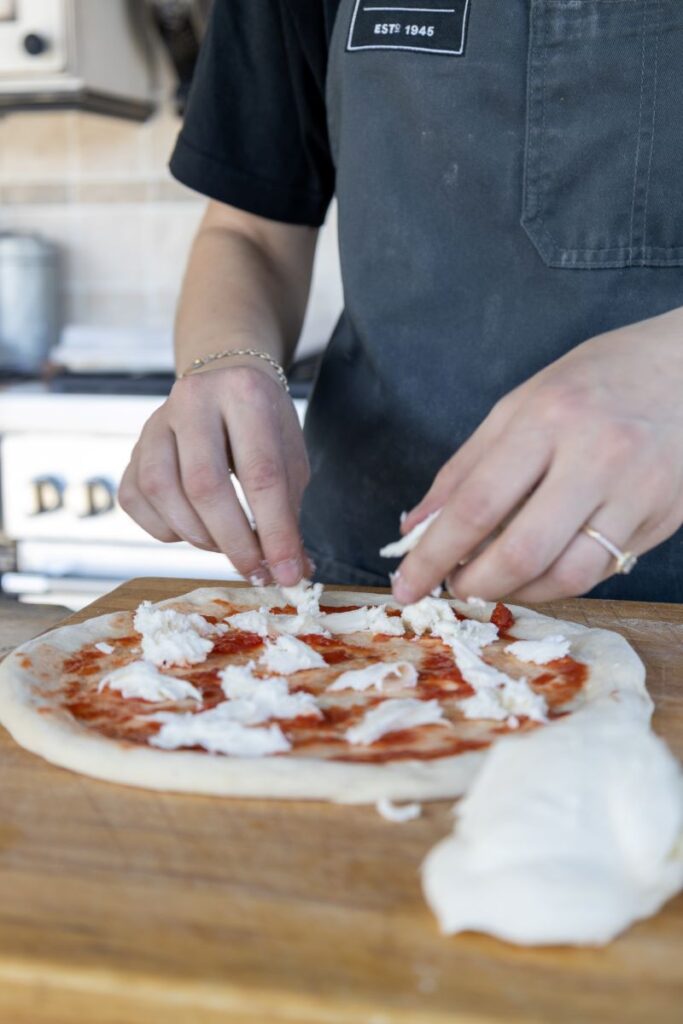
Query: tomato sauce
(329,609)
(236,642)
(438,678)
(83,663)
(502,617)
(127,641)
(334,650)
(561,681)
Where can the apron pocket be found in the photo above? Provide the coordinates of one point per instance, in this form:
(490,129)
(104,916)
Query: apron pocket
(603,183)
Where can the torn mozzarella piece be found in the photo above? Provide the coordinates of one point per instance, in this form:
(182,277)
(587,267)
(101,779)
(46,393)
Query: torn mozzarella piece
(150,618)
(217,733)
(401,547)
(263,623)
(296,625)
(375,676)
(253,700)
(141,680)
(468,631)
(437,616)
(104,648)
(497,695)
(392,716)
(511,701)
(567,837)
(371,619)
(254,621)
(305,596)
(474,669)
(484,704)
(398,813)
(540,651)
(287,655)
(238,680)
(183,648)
(424,615)
(172,638)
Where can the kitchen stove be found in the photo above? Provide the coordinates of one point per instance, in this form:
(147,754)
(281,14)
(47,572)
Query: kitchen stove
(64,445)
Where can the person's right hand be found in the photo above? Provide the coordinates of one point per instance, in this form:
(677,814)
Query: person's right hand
(177,485)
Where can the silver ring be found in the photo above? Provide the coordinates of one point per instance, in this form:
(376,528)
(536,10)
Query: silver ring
(625,560)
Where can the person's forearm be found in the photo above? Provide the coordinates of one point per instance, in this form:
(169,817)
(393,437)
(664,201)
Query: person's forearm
(246,286)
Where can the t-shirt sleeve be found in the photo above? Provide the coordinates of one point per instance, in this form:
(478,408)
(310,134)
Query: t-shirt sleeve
(255,131)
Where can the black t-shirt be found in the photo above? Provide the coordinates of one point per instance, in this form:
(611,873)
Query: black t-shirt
(255,132)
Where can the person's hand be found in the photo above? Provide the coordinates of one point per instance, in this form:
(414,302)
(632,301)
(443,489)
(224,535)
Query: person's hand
(595,438)
(178,485)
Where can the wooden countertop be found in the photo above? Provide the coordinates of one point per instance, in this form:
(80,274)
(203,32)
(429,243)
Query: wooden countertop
(20,622)
(121,906)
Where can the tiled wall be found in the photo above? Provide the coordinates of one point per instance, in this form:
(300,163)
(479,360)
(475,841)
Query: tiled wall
(100,189)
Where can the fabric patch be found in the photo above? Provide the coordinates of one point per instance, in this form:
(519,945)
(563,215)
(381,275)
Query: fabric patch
(425,26)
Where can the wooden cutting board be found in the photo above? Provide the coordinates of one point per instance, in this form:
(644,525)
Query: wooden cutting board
(120,906)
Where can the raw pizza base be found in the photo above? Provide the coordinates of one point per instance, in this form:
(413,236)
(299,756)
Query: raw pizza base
(616,673)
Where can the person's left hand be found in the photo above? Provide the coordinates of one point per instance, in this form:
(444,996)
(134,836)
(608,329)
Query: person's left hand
(595,438)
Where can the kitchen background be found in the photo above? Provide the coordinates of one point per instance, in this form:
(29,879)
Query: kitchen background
(98,190)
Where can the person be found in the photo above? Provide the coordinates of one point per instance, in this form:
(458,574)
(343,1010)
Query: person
(511,348)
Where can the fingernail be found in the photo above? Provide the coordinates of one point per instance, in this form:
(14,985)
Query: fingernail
(259,579)
(288,572)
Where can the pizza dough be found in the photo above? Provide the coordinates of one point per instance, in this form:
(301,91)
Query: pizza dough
(615,671)
(568,837)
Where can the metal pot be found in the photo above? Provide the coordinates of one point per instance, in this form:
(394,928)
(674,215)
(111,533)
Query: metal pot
(29,302)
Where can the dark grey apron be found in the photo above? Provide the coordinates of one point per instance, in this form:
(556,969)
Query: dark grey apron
(496,208)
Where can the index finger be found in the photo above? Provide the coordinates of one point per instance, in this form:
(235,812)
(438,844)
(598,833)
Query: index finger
(475,509)
(205,476)
(261,468)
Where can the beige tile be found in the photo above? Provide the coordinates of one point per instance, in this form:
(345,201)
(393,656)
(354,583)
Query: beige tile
(111,192)
(169,190)
(160,134)
(169,231)
(102,306)
(160,309)
(33,193)
(36,147)
(108,148)
(110,247)
(56,222)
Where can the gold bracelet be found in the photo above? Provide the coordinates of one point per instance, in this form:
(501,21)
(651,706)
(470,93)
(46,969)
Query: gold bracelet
(197,364)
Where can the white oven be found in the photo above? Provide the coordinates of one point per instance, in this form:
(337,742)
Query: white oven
(62,456)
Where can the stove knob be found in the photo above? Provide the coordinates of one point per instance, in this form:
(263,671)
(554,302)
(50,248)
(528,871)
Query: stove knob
(47,494)
(100,495)
(35,44)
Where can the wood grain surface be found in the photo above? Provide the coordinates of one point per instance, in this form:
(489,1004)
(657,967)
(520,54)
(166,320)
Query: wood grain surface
(20,622)
(120,906)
